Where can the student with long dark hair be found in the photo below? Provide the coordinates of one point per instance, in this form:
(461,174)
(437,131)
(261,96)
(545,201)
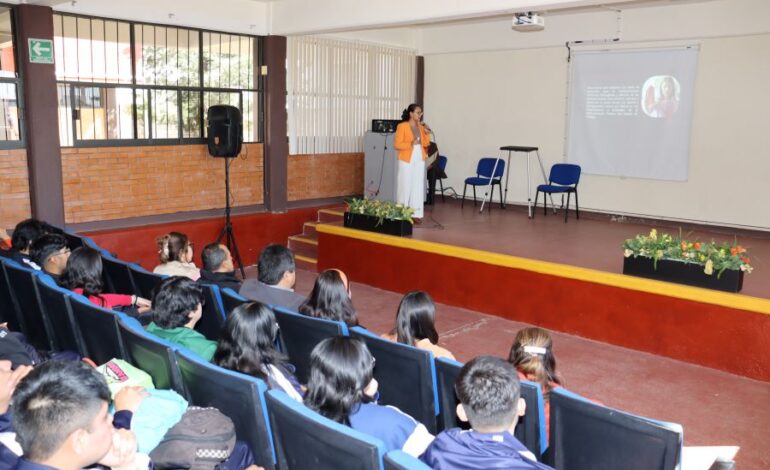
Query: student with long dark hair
(247,345)
(330,299)
(83,275)
(416,324)
(341,387)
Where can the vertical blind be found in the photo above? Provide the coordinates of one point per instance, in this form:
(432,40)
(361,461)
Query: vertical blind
(335,88)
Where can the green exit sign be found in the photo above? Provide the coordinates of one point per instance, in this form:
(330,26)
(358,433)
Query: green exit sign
(40,51)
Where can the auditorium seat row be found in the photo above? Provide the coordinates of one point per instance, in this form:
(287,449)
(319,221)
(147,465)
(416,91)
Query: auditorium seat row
(283,433)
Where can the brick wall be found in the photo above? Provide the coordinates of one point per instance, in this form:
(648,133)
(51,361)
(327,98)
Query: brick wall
(120,182)
(14,187)
(326,175)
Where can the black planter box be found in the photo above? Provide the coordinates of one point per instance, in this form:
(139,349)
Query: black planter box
(399,228)
(691,274)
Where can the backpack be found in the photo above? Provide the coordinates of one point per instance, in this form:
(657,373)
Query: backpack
(200,441)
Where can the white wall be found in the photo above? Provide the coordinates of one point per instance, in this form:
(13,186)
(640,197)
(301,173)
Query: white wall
(298,17)
(512,91)
(232,16)
(397,37)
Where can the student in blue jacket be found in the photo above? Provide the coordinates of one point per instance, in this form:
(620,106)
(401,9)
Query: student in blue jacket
(489,393)
(341,387)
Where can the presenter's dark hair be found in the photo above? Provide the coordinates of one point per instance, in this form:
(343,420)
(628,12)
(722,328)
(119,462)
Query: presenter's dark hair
(489,391)
(330,299)
(53,401)
(25,233)
(213,256)
(409,109)
(340,370)
(248,341)
(84,270)
(173,300)
(416,319)
(46,246)
(273,262)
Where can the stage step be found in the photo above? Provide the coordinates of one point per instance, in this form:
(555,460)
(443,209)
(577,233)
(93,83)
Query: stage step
(309,231)
(305,245)
(307,263)
(331,215)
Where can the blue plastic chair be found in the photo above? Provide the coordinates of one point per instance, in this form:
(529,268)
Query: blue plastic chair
(55,302)
(99,329)
(299,334)
(530,429)
(488,169)
(441,164)
(305,439)
(8,312)
(563,179)
(22,285)
(144,281)
(239,396)
(117,275)
(407,377)
(213,318)
(152,354)
(586,435)
(231,300)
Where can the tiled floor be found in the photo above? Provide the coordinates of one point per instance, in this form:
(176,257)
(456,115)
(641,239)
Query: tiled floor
(715,408)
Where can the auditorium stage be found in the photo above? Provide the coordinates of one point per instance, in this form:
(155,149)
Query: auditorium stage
(565,277)
(592,242)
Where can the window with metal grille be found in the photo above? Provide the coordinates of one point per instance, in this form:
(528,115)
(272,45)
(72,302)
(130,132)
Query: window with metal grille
(10,128)
(124,83)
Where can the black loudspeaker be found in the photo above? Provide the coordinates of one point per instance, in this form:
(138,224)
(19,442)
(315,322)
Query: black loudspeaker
(384,126)
(224,127)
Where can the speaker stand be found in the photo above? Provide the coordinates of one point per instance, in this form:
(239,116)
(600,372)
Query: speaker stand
(227,230)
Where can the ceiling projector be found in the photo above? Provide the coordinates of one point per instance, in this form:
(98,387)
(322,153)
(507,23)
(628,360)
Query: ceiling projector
(528,22)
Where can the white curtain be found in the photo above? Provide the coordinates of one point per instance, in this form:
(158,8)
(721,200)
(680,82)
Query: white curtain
(335,88)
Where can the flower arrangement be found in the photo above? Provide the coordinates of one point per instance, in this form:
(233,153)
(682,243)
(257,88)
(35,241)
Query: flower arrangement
(380,209)
(713,256)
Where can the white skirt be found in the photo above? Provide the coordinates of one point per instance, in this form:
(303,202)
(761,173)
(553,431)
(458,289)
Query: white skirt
(411,182)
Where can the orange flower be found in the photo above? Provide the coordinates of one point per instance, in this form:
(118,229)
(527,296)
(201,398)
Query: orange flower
(734,251)
(745,259)
(696,245)
(740,249)
(684,246)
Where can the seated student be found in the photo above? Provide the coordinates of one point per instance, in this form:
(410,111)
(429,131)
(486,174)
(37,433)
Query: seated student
(341,387)
(276,278)
(83,275)
(489,393)
(176,256)
(532,356)
(218,267)
(247,345)
(23,235)
(415,324)
(330,299)
(50,252)
(177,308)
(61,421)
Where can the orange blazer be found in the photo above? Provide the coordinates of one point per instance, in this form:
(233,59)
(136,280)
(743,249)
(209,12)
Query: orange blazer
(403,141)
